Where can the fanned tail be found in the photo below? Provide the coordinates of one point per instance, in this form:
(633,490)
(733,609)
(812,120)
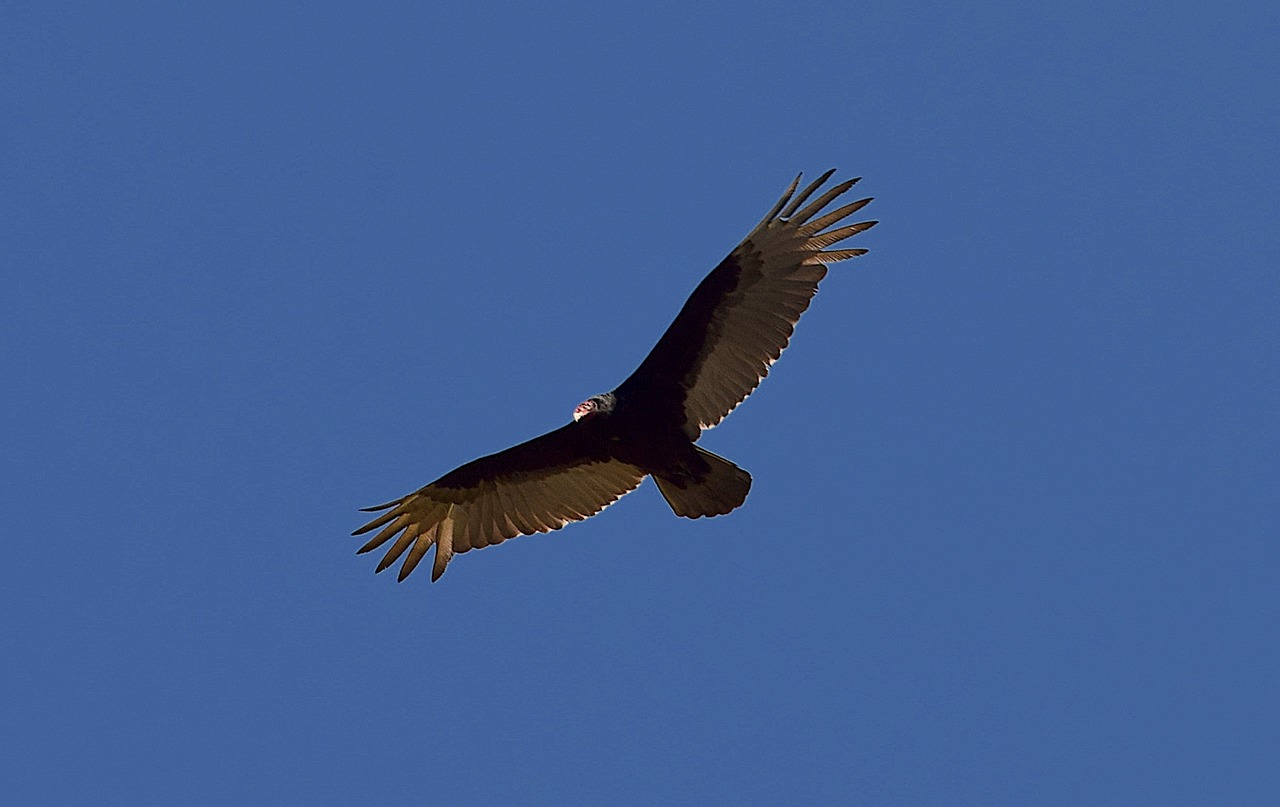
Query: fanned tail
(723,488)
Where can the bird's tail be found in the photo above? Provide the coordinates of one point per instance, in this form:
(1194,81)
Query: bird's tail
(721,489)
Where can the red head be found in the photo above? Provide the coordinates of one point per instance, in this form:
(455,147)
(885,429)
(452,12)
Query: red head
(593,406)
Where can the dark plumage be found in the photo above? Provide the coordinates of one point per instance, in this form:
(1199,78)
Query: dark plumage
(734,325)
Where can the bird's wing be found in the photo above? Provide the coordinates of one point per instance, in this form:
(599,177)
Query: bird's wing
(741,316)
(537,486)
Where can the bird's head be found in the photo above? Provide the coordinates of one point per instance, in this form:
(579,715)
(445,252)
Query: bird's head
(595,405)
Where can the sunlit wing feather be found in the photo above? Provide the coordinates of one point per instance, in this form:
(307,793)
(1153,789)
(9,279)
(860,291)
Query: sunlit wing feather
(740,318)
(537,486)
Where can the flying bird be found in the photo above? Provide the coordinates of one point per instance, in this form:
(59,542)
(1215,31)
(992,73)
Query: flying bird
(720,346)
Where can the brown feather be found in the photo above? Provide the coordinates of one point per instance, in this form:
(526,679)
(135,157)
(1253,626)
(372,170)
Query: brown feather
(498,506)
(778,267)
(806,193)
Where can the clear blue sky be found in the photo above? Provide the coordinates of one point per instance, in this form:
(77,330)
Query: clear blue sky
(1013,535)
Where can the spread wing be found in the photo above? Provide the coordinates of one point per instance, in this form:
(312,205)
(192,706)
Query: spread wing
(540,485)
(741,316)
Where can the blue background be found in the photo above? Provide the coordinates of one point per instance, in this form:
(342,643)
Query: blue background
(1013,535)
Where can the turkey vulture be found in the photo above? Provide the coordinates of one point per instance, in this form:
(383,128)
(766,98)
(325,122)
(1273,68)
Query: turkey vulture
(734,325)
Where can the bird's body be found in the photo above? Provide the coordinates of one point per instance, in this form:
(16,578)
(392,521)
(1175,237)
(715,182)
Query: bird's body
(734,325)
